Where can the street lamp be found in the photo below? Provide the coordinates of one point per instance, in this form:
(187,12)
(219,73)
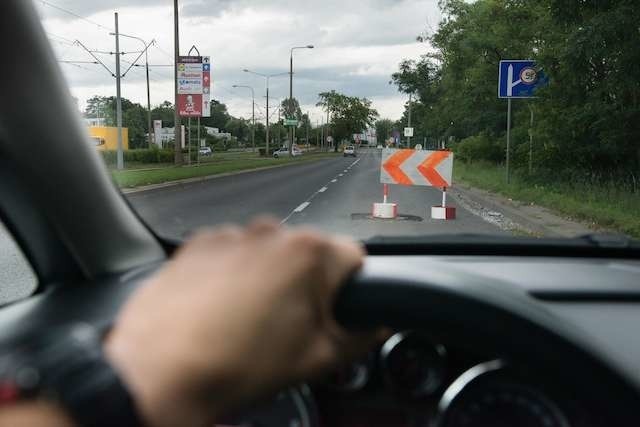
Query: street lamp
(146,65)
(309,46)
(266,77)
(253,115)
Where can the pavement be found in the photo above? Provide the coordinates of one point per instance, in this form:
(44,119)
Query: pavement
(334,195)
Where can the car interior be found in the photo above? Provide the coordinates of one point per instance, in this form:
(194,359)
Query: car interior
(499,331)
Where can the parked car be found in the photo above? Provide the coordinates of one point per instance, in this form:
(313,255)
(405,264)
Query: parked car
(349,150)
(205,151)
(284,152)
(379,147)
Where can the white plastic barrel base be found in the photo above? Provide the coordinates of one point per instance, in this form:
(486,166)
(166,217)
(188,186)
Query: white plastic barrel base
(385,210)
(440,212)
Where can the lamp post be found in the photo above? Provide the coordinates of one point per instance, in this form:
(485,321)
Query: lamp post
(291,130)
(253,115)
(266,77)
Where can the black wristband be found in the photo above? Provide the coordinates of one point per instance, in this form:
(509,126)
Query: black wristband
(67,366)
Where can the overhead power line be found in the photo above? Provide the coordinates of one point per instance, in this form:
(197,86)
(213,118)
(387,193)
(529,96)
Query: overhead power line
(69,12)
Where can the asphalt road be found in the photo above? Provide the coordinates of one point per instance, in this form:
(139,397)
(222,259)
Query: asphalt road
(334,195)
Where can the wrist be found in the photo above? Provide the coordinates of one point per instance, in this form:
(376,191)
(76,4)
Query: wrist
(162,398)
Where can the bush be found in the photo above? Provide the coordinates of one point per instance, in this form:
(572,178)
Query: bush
(479,147)
(143,155)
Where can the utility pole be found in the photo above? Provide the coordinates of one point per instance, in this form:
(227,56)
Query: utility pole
(279,138)
(409,123)
(146,65)
(308,124)
(120,153)
(292,128)
(267,153)
(327,123)
(176,115)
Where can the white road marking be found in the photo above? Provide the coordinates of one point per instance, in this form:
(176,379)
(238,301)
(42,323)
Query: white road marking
(306,203)
(302,206)
(344,170)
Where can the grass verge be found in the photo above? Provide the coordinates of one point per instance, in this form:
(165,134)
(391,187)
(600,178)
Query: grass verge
(603,206)
(217,165)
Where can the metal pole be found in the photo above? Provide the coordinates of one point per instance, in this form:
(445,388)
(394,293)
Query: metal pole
(146,64)
(189,140)
(308,124)
(176,115)
(409,123)
(290,100)
(120,154)
(253,120)
(267,153)
(198,143)
(531,141)
(279,139)
(508,135)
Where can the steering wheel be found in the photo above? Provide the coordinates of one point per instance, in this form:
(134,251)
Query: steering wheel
(493,317)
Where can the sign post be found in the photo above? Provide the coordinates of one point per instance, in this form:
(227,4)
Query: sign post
(518,78)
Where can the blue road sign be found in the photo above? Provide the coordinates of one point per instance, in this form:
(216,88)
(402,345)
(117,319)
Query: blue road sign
(519,79)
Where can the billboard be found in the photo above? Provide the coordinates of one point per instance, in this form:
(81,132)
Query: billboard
(190,86)
(190,105)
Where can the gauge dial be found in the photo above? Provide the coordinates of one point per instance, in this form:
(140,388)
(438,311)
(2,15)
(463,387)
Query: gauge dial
(352,377)
(413,365)
(493,400)
(293,407)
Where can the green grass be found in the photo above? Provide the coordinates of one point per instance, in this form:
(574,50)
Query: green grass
(603,206)
(218,164)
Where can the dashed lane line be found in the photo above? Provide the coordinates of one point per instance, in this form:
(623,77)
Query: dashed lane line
(307,202)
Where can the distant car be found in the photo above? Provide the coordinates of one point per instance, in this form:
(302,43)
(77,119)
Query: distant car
(284,152)
(349,150)
(205,151)
(379,147)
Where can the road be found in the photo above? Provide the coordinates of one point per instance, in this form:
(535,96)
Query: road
(334,195)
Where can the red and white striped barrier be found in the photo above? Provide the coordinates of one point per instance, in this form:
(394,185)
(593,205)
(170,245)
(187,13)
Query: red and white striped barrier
(384,210)
(443,211)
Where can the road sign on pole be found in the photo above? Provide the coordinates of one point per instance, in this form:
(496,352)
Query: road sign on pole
(190,86)
(517,78)
(416,167)
(408,132)
(206,86)
(290,122)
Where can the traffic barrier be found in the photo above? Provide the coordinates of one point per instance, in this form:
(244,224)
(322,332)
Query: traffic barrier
(384,210)
(443,211)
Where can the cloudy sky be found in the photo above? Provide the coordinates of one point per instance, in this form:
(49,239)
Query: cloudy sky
(358,44)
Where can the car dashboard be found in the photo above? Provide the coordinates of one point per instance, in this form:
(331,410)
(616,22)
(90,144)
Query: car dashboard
(456,370)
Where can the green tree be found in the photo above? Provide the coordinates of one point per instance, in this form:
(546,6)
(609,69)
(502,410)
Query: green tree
(164,112)
(348,115)
(383,130)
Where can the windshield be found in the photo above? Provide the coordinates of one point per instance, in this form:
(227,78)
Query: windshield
(366,118)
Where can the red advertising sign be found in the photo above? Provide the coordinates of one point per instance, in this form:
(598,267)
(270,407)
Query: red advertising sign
(190,105)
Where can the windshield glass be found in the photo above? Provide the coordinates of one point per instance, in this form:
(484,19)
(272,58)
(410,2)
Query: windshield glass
(379,117)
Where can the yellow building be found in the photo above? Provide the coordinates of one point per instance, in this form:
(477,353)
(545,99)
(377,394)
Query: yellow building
(106,137)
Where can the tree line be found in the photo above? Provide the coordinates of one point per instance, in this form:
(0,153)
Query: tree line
(586,122)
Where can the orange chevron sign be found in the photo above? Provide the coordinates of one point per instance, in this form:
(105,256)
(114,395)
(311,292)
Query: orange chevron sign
(416,167)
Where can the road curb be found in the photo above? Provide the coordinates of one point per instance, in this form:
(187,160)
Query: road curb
(167,184)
